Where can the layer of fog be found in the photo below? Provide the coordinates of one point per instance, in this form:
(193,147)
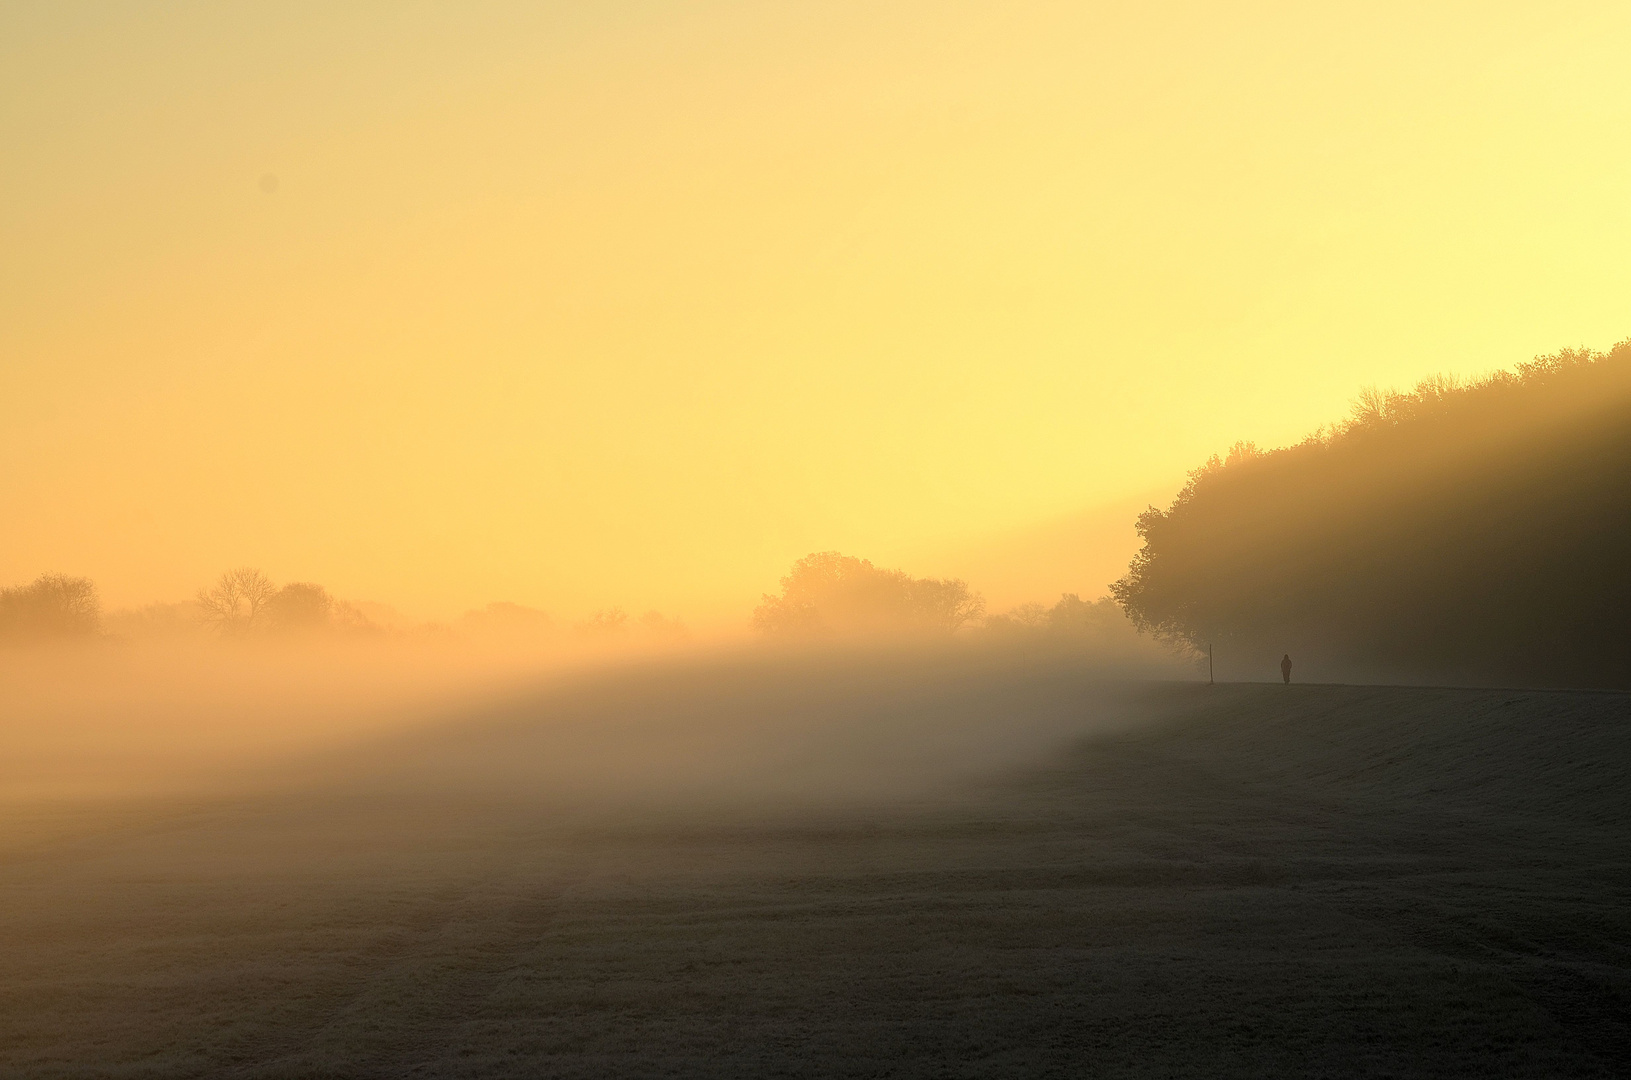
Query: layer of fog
(755,726)
(117,719)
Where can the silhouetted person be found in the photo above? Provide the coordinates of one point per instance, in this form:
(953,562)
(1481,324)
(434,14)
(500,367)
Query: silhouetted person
(1285,668)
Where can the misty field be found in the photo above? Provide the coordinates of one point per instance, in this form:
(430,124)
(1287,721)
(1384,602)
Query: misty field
(918,866)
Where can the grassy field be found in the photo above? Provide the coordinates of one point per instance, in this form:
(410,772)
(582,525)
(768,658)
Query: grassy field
(1088,879)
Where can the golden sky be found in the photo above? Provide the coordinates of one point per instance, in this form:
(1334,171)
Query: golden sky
(585,303)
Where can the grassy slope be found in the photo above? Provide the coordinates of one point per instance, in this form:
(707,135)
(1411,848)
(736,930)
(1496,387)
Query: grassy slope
(1313,880)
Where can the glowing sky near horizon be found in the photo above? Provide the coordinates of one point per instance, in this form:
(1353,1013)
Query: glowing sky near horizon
(576,304)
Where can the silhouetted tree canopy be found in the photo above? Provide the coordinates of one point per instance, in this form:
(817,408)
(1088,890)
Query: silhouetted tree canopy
(1474,532)
(606,623)
(1072,620)
(502,619)
(155,621)
(52,606)
(658,627)
(830,593)
(299,605)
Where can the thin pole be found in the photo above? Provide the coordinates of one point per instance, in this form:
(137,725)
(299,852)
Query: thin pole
(1209,664)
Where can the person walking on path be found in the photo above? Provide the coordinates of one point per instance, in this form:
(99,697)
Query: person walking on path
(1285,668)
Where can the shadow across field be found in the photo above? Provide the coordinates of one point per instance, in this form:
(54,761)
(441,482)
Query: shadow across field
(1148,879)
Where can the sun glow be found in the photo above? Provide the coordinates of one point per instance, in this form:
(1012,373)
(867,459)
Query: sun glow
(580,305)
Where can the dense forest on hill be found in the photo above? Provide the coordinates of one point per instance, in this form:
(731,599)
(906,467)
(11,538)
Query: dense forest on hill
(1472,532)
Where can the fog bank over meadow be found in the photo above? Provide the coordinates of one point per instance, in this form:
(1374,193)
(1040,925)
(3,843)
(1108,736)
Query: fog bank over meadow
(856,682)
(1459,533)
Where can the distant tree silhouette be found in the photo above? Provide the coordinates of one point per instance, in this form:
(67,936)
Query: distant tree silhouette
(609,622)
(52,606)
(1465,531)
(827,592)
(236,603)
(657,627)
(1074,625)
(157,620)
(502,619)
(1073,615)
(298,606)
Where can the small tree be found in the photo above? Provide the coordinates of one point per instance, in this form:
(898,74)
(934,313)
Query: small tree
(606,623)
(235,604)
(299,606)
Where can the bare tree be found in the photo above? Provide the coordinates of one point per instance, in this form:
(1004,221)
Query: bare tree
(608,622)
(235,604)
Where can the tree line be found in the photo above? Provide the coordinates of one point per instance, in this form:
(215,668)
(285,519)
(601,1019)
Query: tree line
(1466,531)
(241,603)
(245,604)
(829,595)
(245,601)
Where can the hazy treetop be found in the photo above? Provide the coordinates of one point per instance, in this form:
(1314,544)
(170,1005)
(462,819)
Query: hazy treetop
(1462,531)
(830,593)
(52,606)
